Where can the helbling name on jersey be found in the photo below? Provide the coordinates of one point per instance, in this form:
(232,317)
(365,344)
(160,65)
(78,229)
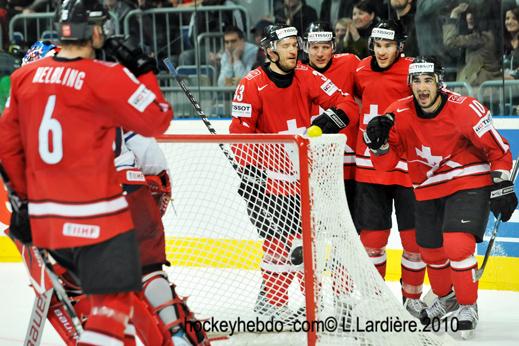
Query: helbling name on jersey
(60,75)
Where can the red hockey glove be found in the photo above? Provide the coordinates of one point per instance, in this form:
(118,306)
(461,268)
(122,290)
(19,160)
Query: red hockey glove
(160,188)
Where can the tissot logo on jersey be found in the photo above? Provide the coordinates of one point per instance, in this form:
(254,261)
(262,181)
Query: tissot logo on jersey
(243,110)
(483,126)
(141,98)
(60,75)
(81,231)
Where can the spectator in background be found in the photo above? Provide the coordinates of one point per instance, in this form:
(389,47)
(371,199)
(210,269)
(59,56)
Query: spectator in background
(160,31)
(120,9)
(511,44)
(463,31)
(257,31)
(429,18)
(210,22)
(405,11)
(341,27)
(333,10)
(511,56)
(238,58)
(358,28)
(296,13)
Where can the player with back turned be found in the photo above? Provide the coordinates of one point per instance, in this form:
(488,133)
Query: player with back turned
(57,134)
(380,80)
(144,174)
(278,98)
(460,168)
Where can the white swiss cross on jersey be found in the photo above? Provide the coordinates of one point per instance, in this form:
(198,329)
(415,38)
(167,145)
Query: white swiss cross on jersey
(293,129)
(373,112)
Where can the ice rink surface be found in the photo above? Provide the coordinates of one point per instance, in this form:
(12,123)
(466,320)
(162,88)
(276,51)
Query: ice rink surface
(498,313)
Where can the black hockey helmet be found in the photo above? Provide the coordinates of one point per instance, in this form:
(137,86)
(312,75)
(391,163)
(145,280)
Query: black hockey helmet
(276,32)
(391,30)
(319,31)
(75,19)
(426,65)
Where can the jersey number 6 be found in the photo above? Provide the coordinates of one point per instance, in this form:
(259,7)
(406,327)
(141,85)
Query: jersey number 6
(50,127)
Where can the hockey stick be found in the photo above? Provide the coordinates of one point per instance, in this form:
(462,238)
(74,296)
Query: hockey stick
(495,229)
(200,113)
(41,256)
(194,102)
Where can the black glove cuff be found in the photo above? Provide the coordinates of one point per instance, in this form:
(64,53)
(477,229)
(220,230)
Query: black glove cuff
(339,118)
(501,189)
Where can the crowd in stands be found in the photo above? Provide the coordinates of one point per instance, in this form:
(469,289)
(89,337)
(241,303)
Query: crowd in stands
(475,41)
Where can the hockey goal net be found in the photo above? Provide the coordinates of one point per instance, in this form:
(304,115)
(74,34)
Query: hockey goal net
(242,206)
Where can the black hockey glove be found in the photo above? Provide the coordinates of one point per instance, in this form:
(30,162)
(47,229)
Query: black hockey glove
(253,183)
(332,120)
(377,131)
(502,197)
(130,55)
(20,226)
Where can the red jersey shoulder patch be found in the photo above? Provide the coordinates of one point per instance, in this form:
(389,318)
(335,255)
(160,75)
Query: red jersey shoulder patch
(253,74)
(456,98)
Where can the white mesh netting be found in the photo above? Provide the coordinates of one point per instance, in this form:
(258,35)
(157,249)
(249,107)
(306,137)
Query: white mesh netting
(234,241)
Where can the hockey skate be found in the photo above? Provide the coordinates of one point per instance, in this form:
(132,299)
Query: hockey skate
(414,306)
(441,308)
(468,318)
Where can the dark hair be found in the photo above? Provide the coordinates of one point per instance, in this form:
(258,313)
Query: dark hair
(508,36)
(366,6)
(231,29)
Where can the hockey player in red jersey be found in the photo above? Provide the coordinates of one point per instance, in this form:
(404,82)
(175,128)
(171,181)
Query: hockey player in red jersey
(143,172)
(458,163)
(57,133)
(278,98)
(379,80)
(319,45)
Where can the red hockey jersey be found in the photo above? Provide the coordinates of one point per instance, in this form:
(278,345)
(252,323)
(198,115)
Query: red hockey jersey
(259,106)
(57,134)
(342,73)
(456,150)
(378,90)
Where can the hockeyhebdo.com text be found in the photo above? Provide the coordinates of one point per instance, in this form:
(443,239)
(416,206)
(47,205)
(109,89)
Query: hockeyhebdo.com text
(328,325)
